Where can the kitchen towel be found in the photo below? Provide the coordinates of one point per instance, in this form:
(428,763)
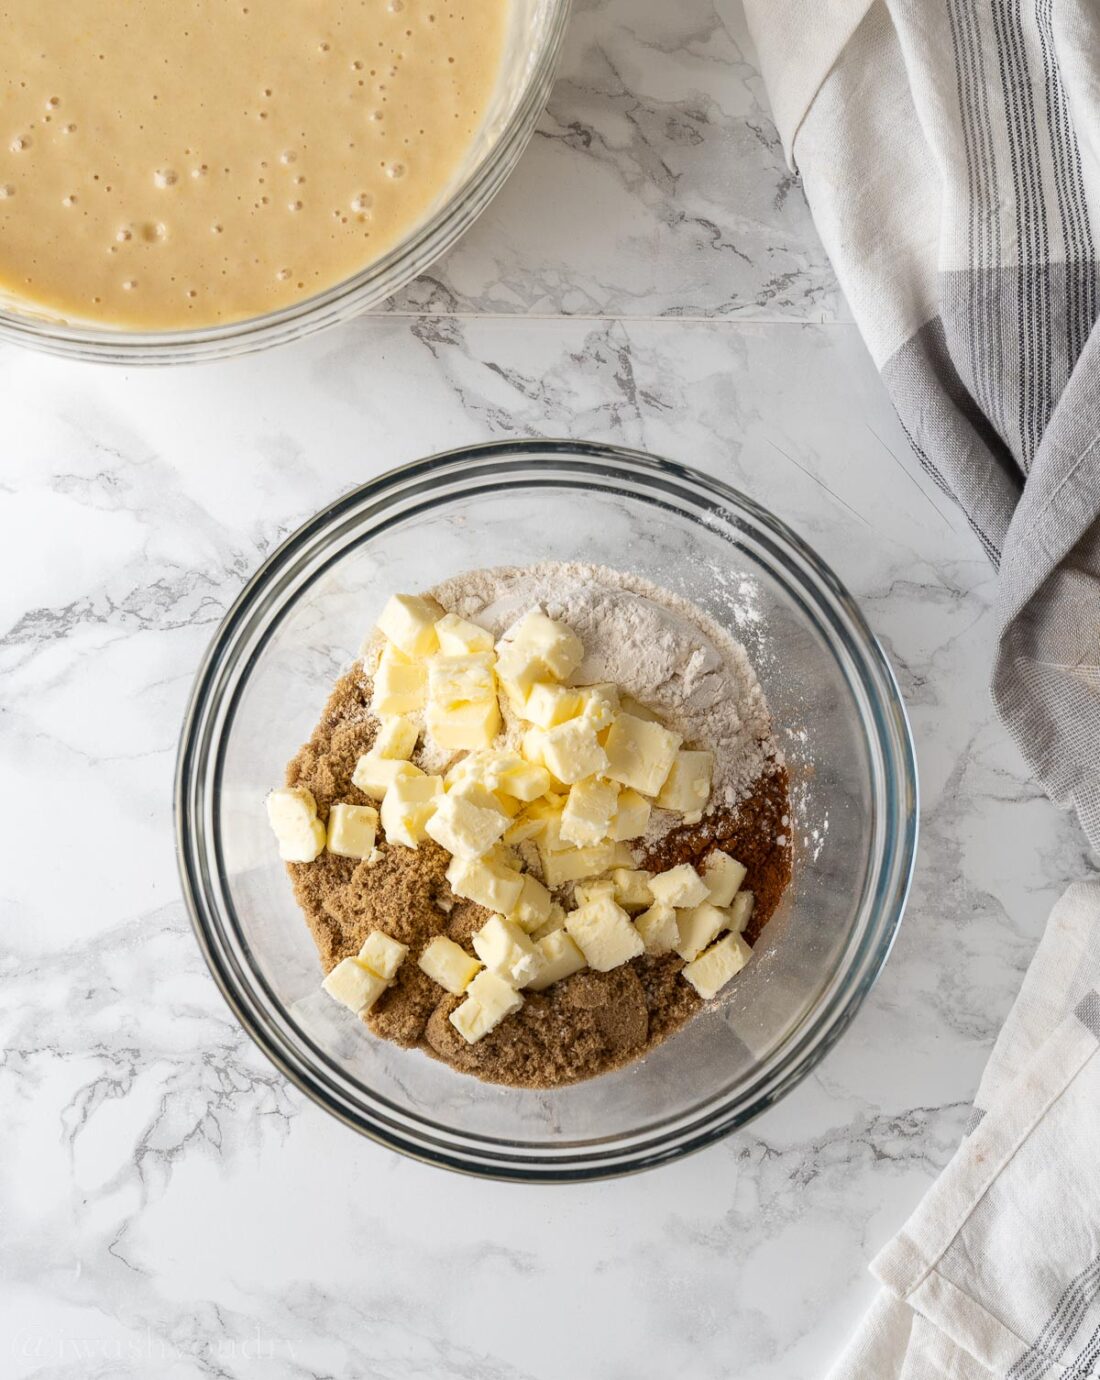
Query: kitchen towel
(950,153)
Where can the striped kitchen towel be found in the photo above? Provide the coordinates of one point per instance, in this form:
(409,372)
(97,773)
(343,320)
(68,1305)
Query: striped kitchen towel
(950,152)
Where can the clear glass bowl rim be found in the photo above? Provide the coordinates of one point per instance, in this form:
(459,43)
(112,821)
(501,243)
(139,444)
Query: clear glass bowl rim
(534,463)
(340,302)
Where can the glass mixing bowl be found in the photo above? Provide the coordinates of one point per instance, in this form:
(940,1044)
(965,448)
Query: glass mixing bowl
(532,45)
(840,720)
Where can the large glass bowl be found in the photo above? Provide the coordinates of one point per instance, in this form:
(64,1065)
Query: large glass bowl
(300,621)
(532,45)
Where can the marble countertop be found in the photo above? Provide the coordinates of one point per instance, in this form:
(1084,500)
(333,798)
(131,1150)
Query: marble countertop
(169,1206)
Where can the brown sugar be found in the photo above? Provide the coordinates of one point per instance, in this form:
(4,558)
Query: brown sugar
(585,1025)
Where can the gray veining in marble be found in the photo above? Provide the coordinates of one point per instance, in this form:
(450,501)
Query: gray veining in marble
(168,1206)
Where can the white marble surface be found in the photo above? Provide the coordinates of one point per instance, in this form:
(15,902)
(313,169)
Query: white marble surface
(168,1206)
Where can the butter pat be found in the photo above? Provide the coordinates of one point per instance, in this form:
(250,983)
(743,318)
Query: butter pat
(571,751)
(640,754)
(459,637)
(631,817)
(505,949)
(449,964)
(560,958)
(409,620)
(658,928)
(352,830)
(375,775)
(710,972)
(382,954)
(589,811)
(408,805)
(292,814)
(744,903)
(698,926)
(396,738)
(603,933)
(687,786)
(354,985)
(487,882)
(489,999)
(579,863)
(464,829)
(680,887)
(723,876)
(632,887)
(400,684)
(533,906)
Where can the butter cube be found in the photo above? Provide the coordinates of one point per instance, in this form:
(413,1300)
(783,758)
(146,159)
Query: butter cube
(459,637)
(583,892)
(687,786)
(547,815)
(631,817)
(744,903)
(292,814)
(352,830)
(396,737)
(374,775)
(599,704)
(570,751)
(526,781)
(555,644)
(489,999)
(505,949)
(710,972)
(449,964)
(698,926)
(382,954)
(400,684)
(560,958)
(522,828)
(640,754)
(487,882)
(723,875)
(658,928)
(554,921)
(603,933)
(533,906)
(548,704)
(579,863)
(630,705)
(464,727)
(681,887)
(408,805)
(477,794)
(409,620)
(354,985)
(589,811)
(457,680)
(463,829)
(632,887)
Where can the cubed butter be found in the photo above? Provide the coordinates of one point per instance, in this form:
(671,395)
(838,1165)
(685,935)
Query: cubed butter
(554,644)
(571,751)
(489,999)
(400,684)
(698,926)
(589,811)
(680,886)
(603,933)
(354,985)
(687,786)
(477,794)
(459,637)
(599,704)
(504,948)
(374,775)
(457,680)
(383,954)
(449,964)
(723,876)
(632,887)
(553,922)
(523,828)
(640,754)
(463,829)
(580,863)
(526,781)
(396,737)
(741,909)
(292,814)
(631,816)
(464,726)
(408,805)
(658,928)
(487,882)
(409,620)
(533,906)
(352,830)
(710,972)
(583,892)
(548,704)
(560,958)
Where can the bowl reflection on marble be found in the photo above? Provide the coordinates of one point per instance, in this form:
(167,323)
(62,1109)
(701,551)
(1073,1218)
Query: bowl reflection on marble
(838,716)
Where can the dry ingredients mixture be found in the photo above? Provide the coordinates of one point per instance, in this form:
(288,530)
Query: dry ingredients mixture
(373,916)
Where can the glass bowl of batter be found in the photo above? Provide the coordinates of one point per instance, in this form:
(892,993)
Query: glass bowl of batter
(837,714)
(190,182)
